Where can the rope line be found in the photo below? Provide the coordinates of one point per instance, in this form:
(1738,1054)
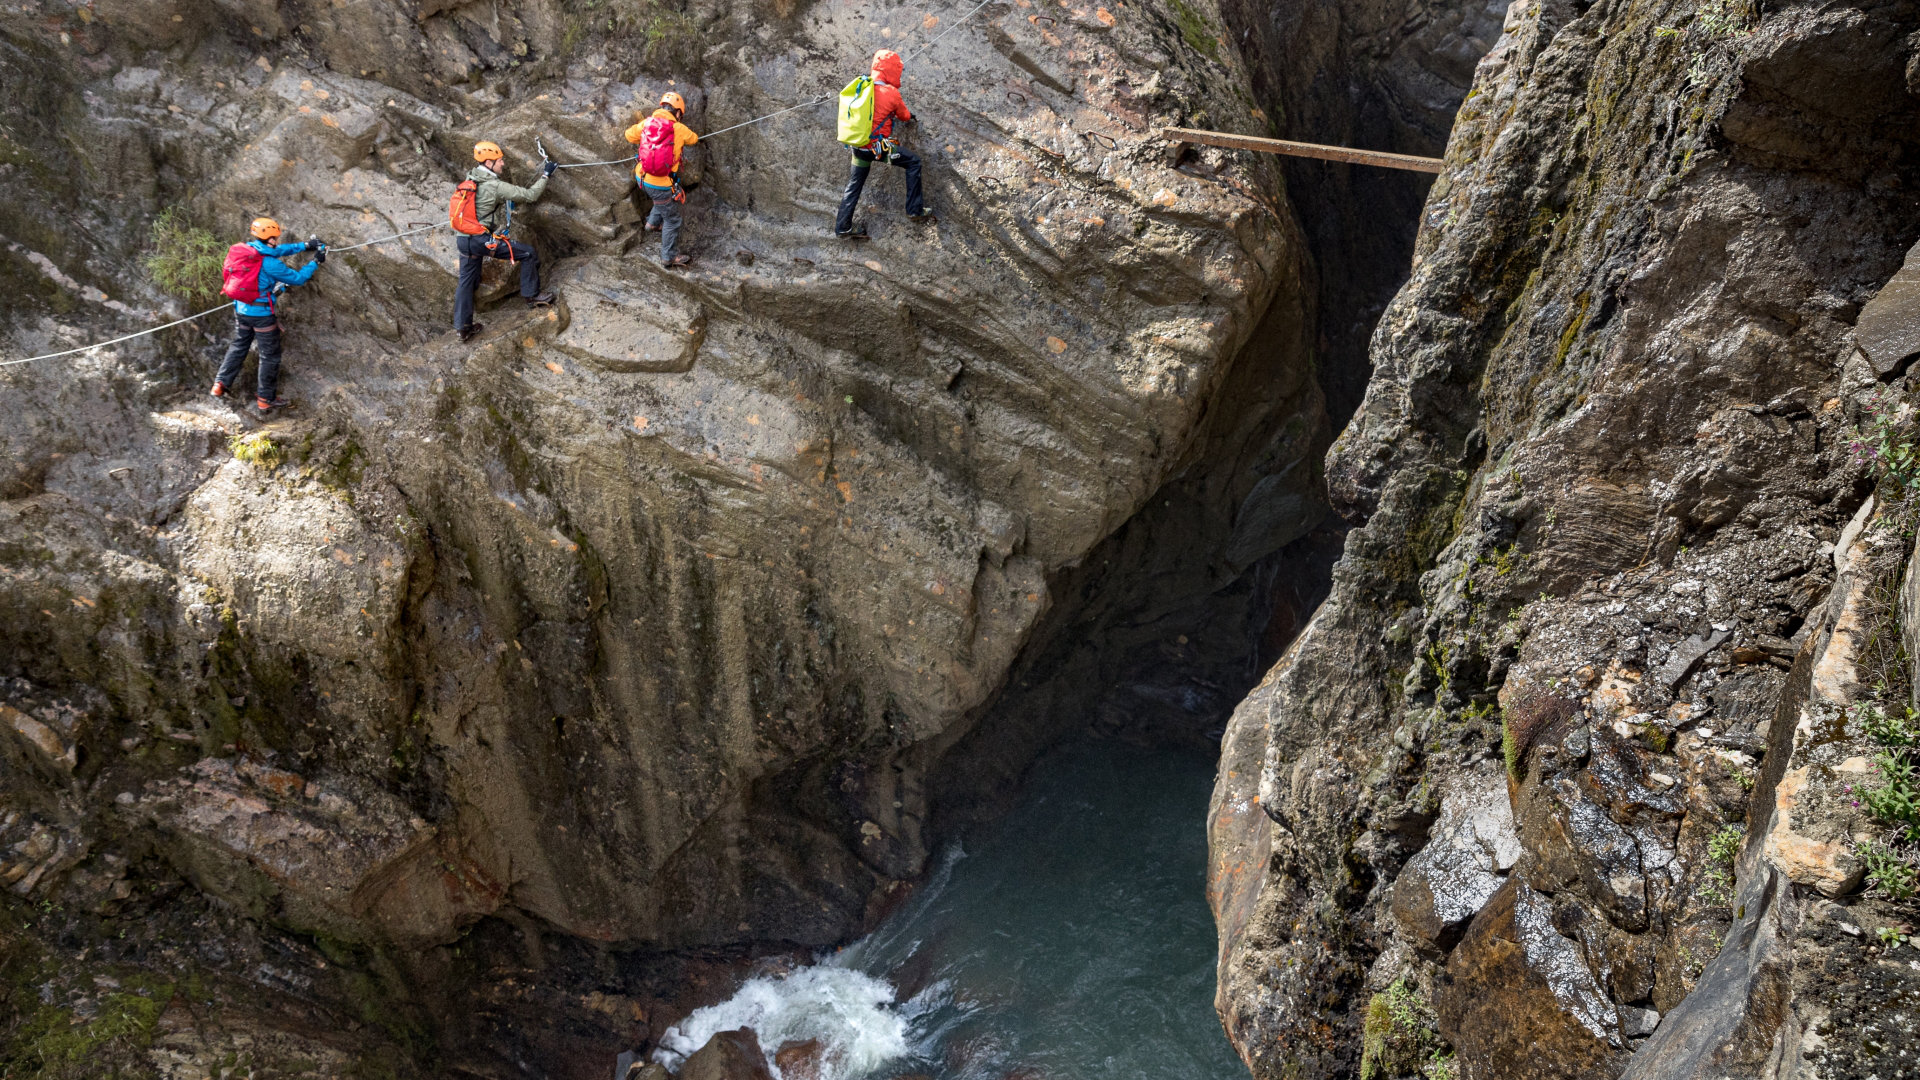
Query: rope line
(204,314)
(118,340)
(921,51)
(382,240)
(956,25)
(822,99)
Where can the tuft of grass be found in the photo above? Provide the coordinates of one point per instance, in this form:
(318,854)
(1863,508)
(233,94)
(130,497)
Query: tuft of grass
(1195,31)
(186,260)
(1716,879)
(1398,1037)
(1532,714)
(1724,847)
(258,450)
(54,1043)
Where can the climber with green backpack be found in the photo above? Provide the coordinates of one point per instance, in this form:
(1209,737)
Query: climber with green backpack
(869,106)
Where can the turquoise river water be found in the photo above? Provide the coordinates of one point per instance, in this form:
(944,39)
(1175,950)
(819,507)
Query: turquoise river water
(1068,941)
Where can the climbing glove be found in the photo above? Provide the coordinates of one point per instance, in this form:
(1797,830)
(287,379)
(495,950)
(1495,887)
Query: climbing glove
(547,170)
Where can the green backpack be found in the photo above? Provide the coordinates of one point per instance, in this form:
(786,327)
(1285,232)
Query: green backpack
(856,112)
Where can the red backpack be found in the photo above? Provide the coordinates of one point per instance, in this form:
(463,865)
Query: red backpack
(240,277)
(656,146)
(462,210)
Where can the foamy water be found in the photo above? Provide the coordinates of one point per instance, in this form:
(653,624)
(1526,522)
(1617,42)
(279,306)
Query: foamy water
(1073,943)
(852,1014)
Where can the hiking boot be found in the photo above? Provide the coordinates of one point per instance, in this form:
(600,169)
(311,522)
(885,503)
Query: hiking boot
(545,299)
(678,261)
(925,215)
(651,227)
(858,232)
(468,333)
(265,407)
(219,389)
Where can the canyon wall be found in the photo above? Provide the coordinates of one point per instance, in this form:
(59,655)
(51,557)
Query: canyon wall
(1571,774)
(443,720)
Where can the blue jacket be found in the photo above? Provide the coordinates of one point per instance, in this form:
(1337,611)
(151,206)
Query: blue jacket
(274,272)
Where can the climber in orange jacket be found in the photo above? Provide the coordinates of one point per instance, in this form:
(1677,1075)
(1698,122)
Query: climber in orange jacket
(661,139)
(888,106)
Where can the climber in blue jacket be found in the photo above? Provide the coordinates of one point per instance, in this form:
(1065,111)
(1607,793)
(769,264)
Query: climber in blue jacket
(253,314)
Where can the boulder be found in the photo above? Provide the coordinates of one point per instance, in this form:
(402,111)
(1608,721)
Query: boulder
(729,1055)
(1519,993)
(1469,851)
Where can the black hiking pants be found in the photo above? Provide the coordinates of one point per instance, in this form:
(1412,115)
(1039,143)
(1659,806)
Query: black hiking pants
(474,253)
(863,165)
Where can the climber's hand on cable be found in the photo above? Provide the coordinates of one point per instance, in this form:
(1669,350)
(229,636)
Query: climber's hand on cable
(547,169)
(320,256)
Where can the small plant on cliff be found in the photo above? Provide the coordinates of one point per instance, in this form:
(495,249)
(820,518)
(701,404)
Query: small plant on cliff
(1723,848)
(1398,1037)
(55,1042)
(1194,30)
(1888,870)
(1524,720)
(1722,19)
(258,450)
(186,260)
(1893,731)
(1886,442)
(1896,800)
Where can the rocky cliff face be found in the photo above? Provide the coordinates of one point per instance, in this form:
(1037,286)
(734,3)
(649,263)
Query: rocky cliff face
(424,726)
(1582,768)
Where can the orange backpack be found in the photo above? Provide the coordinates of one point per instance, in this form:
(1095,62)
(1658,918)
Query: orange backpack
(462,211)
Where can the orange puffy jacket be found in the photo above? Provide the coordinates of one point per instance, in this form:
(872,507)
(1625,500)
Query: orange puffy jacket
(887,103)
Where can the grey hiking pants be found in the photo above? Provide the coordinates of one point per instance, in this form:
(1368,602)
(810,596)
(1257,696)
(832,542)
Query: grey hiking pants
(666,215)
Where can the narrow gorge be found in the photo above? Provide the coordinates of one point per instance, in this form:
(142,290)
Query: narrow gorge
(1530,544)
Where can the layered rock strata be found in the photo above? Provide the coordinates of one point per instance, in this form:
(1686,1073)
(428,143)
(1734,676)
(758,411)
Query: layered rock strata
(667,619)
(1616,571)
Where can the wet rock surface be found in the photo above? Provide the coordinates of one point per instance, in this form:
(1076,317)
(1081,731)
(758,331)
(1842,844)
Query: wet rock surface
(1610,534)
(672,621)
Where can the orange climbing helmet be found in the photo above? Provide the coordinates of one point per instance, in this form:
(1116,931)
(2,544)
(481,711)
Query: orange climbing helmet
(887,67)
(485,151)
(674,101)
(265,228)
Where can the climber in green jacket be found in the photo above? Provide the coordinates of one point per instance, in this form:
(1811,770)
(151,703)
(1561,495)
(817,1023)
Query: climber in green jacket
(493,203)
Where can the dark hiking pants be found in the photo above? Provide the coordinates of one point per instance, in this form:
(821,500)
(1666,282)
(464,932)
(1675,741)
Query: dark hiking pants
(249,330)
(473,255)
(862,166)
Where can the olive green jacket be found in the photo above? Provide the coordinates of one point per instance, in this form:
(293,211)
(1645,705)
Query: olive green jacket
(491,202)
